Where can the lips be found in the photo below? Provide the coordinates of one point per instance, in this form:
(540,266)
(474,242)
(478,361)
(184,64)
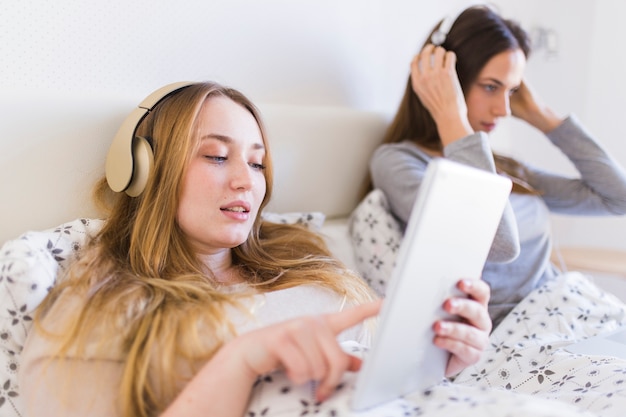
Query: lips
(236,207)
(488,127)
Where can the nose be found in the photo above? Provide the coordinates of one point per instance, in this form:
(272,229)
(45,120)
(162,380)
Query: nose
(502,106)
(241,176)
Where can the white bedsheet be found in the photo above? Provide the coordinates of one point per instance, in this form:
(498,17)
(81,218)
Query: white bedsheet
(524,372)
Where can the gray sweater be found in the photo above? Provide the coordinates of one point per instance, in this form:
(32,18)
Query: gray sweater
(519,260)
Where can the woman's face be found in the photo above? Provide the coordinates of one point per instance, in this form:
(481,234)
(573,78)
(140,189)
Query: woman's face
(225,182)
(488,97)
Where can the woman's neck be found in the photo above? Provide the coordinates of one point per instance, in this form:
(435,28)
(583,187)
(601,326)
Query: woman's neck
(220,266)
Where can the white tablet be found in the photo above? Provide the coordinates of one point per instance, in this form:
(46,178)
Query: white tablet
(448,237)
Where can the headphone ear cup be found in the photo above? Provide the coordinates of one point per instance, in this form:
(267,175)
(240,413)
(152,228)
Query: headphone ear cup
(143,159)
(130,158)
(438,38)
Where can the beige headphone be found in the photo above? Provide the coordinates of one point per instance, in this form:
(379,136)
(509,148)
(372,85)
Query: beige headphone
(130,158)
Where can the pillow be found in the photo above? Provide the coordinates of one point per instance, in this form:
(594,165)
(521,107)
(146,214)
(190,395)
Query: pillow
(313,220)
(29,267)
(376,236)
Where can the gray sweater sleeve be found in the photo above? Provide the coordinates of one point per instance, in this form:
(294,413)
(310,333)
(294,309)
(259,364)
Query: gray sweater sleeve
(601,187)
(398,170)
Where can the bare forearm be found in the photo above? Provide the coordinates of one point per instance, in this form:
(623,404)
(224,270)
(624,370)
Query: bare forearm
(221,388)
(452,128)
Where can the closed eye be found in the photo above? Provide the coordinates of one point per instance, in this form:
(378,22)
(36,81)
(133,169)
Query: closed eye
(222,159)
(259,167)
(215,158)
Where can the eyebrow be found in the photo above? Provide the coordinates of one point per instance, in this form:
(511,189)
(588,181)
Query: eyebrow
(493,80)
(228,139)
(497,82)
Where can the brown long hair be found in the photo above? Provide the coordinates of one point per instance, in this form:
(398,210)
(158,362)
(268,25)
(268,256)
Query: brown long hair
(140,282)
(476,36)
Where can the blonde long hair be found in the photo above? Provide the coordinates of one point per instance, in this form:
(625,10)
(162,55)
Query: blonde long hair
(143,285)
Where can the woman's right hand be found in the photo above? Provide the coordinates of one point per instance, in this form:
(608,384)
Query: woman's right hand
(305,348)
(435,81)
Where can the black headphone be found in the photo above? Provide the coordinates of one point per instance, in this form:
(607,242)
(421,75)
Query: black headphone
(130,158)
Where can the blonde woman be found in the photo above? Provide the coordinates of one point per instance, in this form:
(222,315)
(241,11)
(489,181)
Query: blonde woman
(186,296)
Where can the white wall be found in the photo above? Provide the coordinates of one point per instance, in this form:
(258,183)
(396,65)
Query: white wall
(585,77)
(605,110)
(352,52)
(82,58)
(339,52)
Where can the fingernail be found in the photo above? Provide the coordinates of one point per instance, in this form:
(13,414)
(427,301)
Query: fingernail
(443,327)
(321,397)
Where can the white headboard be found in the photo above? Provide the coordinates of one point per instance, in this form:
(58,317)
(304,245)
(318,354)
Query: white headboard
(53,149)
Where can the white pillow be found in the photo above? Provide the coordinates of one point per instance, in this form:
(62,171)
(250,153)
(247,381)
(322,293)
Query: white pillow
(376,236)
(29,267)
(312,220)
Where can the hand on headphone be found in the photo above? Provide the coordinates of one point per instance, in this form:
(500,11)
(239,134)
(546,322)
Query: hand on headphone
(435,81)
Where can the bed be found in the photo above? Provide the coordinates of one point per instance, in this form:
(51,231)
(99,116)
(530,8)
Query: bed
(321,156)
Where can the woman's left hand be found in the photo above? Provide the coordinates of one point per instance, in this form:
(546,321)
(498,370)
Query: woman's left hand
(465,339)
(526,105)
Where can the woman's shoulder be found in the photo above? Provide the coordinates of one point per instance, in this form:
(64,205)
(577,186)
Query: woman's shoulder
(406,146)
(398,152)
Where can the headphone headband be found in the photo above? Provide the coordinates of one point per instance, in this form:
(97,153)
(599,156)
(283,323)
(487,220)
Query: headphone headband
(439,36)
(122,170)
